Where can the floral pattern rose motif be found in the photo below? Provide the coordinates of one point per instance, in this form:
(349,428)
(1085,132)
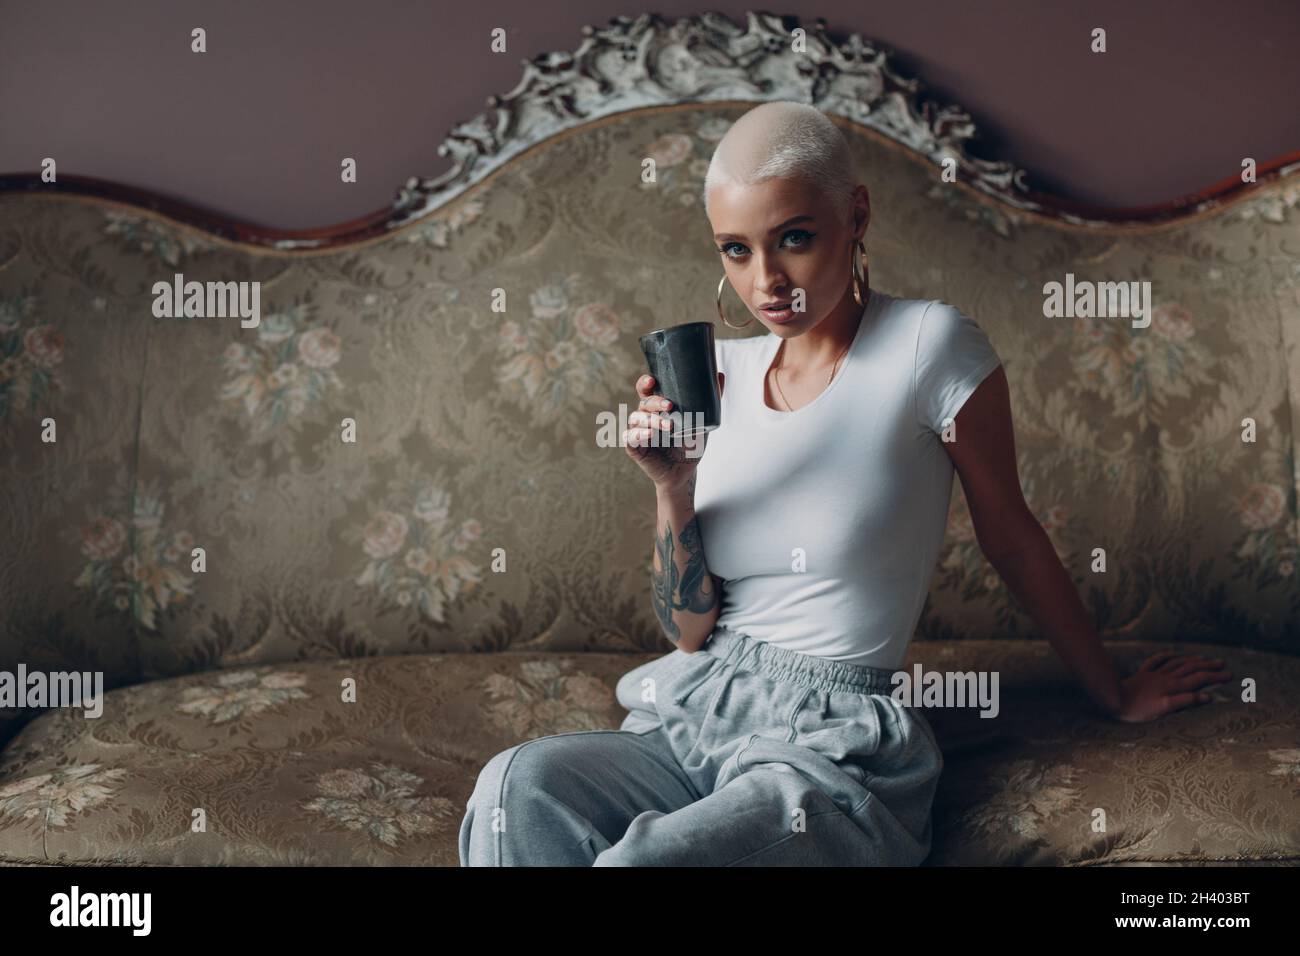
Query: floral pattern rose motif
(548,698)
(319,348)
(283,369)
(147,580)
(1267,545)
(597,324)
(416,550)
(382,803)
(1172,322)
(44,346)
(103,539)
(567,353)
(152,237)
(242,693)
(669,149)
(385,534)
(682,162)
(49,799)
(1262,507)
(30,355)
(1139,371)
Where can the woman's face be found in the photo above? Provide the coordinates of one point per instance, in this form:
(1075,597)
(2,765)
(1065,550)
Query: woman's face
(780,236)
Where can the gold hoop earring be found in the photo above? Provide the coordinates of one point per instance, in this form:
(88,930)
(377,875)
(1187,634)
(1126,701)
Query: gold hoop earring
(720,313)
(859,269)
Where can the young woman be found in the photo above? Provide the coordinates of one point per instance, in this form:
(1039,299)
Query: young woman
(793,557)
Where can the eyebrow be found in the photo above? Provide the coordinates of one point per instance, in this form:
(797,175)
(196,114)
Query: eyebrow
(722,236)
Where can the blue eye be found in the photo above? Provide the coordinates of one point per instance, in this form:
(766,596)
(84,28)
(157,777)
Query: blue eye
(793,232)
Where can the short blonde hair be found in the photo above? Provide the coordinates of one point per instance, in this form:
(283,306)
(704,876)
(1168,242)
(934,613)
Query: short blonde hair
(785,139)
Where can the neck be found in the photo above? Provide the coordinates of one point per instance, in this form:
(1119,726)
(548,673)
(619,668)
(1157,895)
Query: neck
(825,342)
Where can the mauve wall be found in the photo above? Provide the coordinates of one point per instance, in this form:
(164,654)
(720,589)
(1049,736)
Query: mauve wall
(256,127)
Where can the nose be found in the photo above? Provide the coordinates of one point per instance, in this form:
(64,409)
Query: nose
(771,282)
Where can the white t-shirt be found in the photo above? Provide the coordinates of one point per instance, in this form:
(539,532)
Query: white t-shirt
(855,485)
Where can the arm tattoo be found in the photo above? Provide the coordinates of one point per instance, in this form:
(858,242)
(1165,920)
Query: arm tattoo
(694,589)
(698,594)
(662,583)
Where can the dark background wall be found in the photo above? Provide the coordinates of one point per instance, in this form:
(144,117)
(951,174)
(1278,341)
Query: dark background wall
(256,127)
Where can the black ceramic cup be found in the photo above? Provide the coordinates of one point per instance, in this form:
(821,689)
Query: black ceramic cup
(685,370)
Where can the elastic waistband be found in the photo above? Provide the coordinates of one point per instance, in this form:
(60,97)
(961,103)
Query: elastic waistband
(783,664)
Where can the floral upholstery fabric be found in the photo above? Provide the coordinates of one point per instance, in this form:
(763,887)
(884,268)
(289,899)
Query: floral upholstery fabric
(288,772)
(478,511)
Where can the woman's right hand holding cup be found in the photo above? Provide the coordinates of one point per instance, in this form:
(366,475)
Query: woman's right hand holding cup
(668,465)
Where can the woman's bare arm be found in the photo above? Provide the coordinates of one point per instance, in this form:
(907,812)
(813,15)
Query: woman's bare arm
(984,454)
(685,595)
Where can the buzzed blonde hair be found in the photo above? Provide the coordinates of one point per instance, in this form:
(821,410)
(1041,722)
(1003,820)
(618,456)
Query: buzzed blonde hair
(785,139)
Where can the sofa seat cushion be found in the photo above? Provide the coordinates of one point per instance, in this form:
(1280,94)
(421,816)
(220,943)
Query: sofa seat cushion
(1216,783)
(285,769)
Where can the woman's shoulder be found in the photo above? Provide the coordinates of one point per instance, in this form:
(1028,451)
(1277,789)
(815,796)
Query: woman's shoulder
(927,319)
(912,309)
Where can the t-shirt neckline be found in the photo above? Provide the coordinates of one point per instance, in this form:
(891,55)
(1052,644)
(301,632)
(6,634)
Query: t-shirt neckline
(769,353)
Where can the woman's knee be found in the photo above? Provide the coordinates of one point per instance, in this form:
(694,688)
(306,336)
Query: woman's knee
(485,811)
(530,803)
(541,766)
(490,785)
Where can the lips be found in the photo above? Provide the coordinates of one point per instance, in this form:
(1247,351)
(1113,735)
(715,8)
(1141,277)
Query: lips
(780,312)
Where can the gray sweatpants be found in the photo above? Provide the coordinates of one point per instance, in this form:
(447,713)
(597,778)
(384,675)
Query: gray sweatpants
(741,754)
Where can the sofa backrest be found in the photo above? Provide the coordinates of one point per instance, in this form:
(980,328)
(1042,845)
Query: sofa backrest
(477,509)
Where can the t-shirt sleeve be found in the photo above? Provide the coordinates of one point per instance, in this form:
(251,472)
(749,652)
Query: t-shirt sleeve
(953,355)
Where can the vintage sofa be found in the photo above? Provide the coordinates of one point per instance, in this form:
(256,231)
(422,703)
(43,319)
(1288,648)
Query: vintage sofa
(376,565)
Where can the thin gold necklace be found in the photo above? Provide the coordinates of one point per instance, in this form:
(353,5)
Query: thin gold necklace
(776,372)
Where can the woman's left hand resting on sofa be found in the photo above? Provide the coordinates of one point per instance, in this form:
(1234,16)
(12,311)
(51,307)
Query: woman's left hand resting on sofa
(1167,682)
